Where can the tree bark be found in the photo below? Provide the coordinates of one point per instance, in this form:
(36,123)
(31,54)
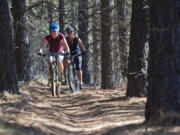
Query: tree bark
(50,13)
(61,15)
(8,78)
(96,45)
(163,97)
(83,35)
(22,46)
(106,46)
(139,49)
(123,30)
(73,16)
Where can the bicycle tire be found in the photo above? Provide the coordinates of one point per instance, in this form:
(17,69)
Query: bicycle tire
(53,85)
(58,83)
(70,79)
(76,81)
(58,90)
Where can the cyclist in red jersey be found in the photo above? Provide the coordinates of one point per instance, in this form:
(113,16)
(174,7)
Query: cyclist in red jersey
(57,42)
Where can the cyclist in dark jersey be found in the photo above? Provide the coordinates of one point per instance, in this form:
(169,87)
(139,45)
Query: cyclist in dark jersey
(57,42)
(76,47)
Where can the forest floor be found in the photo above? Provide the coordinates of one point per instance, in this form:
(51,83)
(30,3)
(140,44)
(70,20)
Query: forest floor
(89,112)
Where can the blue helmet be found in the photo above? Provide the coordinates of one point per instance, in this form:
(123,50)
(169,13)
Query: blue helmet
(54,27)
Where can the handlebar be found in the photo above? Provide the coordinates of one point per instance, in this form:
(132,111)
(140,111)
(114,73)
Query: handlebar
(61,53)
(41,54)
(76,55)
(55,53)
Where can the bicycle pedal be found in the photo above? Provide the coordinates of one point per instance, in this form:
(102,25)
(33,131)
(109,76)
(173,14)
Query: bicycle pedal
(48,84)
(61,78)
(80,86)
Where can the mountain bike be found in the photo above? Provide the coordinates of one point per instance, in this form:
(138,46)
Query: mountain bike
(71,74)
(55,76)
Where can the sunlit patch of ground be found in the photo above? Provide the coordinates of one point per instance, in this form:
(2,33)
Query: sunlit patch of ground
(91,111)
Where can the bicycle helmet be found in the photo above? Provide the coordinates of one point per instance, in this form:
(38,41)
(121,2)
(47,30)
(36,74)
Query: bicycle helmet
(54,27)
(69,29)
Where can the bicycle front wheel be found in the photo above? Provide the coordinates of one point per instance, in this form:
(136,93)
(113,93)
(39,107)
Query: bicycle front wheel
(70,79)
(53,84)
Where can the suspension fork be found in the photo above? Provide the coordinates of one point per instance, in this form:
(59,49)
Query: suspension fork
(76,80)
(57,72)
(74,71)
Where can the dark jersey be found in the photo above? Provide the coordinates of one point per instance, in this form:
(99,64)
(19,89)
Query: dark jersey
(74,46)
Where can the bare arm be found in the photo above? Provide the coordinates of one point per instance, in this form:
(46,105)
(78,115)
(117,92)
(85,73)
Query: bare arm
(81,45)
(42,45)
(65,45)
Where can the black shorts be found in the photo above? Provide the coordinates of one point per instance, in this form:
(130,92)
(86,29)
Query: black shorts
(78,62)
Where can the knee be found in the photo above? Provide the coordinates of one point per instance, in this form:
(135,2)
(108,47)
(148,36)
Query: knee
(60,63)
(79,71)
(67,62)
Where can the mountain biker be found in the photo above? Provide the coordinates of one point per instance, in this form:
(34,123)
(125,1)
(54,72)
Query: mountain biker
(57,42)
(76,47)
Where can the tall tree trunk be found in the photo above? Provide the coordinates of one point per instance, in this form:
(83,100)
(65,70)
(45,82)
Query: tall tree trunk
(8,78)
(163,97)
(123,30)
(116,52)
(83,34)
(22,46)
(50,13)
(114,43)
(106,45)
(138,55)
(96,44)
(61,15)
(73,7)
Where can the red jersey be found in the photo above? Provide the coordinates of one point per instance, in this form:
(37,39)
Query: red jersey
(55,44)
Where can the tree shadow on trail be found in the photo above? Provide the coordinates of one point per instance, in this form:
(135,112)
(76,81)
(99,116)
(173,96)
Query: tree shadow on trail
(80,100)
(141,129)
(7,128)
(78,114)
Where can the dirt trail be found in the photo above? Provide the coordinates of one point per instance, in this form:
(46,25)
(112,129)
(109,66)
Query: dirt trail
(91,112)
